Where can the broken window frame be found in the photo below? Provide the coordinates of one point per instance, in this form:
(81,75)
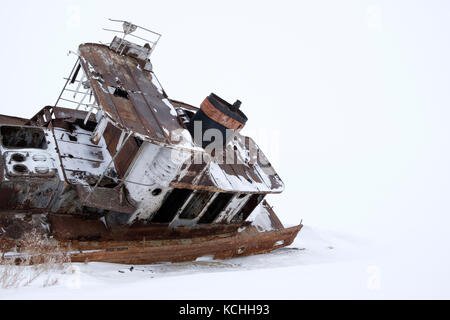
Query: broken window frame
(43,145)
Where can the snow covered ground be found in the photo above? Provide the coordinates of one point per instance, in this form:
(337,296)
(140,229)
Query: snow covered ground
(320,264)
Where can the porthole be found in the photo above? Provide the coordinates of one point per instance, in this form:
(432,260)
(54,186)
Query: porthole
(42,170)
(156,192)
(18,157)
(20,168)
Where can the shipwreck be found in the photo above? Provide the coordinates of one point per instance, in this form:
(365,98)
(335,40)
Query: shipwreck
(119,172)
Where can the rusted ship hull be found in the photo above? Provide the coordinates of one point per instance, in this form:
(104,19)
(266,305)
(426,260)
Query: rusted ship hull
(142,252)
(88,240)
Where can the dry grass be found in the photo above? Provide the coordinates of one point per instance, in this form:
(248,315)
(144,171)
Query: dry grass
(33,256)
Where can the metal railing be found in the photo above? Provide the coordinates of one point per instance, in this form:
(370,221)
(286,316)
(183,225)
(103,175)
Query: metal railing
(77,92)
(129,29)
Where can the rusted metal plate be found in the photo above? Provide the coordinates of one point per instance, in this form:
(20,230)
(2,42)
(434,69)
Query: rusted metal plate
(12,120)
(99,87)
(216,115)
(25,195)
(126,154)
(243,244)
(275,221)
(65,227)
(105,198)
(114,79)
(13,228)
(62,227)
(145,110)
(162,231)
(142,108)
(221,246)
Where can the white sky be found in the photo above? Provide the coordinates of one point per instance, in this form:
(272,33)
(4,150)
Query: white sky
(354,92)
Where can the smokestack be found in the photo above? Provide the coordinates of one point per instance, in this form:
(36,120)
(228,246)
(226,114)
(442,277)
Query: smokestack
(216,113)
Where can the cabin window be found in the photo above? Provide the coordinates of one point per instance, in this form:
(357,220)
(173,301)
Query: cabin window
(172,204)
(216,208)
(20,168)
(196,205)
(248,208)
(21,137)
(18,157)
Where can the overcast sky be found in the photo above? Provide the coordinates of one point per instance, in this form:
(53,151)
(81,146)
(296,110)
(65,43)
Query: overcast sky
(348,99)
